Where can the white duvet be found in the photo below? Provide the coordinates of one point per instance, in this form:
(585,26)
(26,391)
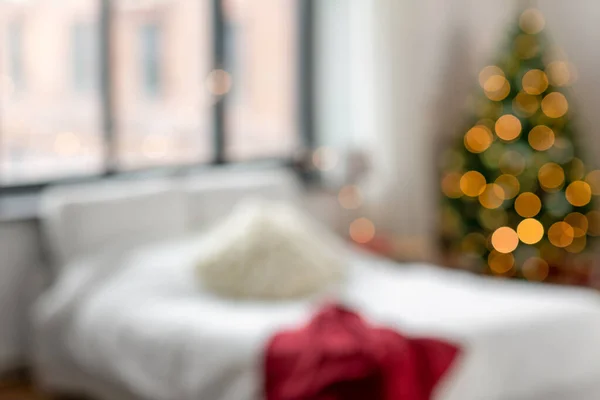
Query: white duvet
(139,321)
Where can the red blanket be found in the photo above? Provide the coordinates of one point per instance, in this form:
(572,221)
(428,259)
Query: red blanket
(338,356)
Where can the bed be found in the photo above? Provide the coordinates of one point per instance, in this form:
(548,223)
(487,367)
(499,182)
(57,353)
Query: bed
(125,320)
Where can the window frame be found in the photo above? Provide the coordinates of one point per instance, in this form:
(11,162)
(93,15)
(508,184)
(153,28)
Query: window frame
(305,105)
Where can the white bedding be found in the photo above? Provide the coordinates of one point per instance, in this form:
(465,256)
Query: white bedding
(140,321)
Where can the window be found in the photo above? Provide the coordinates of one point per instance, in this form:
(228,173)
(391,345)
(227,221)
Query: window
(150,58)
(110,86)
(84,47)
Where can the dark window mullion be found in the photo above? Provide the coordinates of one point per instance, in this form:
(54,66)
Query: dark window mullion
(218,54)
(305,86)
(106,87)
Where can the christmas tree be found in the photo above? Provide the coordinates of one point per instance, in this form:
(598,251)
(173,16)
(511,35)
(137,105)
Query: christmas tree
(517,195)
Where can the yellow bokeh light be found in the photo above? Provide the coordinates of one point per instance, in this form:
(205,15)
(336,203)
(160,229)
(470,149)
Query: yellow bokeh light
(362,230)
(528,205)
(577,172)
(496,88)
(593,218)
(560,73)
(593,179)
(472,183)
(512,162)
(473,243)
(492,196)
(535,82)
(535,269)
(350,196)
(500,263)
(530,231)
(525,105)
(478,139)
(541,138)
(508,127)
(219,82)
(551,176)
(526,46)
(492,218)
(451,185)
(532,21)
(578,193)
(509,184)
(561,234)
(487,72)
(579,222)
(555,105)
(578,245)
(505,239)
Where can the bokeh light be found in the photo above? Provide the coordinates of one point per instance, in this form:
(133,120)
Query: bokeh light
(492,196)
(561,73)
(561,234)
(578,245)
(505,239)
(579,222)
(593,218)
(532,21)
(500,263)
(472,183)
(512,162)
(492,219)
(525,105)
(526,46)
(530,231)
(478,139)
(509,184)
(508,127)
(541,138)
(451,185)
(528,205)
(551,176)
(488,72)
(535,82)
(593,179)
(362,230)
(219,82)
(350,196)
(578,193)
(577,172)
(474,243)
(555,105)
(535,269)
(496,88)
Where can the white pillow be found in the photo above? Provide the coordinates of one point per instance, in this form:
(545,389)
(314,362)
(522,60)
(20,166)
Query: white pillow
(269,250)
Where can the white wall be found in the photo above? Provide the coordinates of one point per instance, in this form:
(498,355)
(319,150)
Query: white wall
(418,61)
(19,273)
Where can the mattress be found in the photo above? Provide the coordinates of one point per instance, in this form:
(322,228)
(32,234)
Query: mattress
(138,323)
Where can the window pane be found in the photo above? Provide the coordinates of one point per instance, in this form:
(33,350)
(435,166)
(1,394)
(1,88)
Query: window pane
(261,56)
(50,119)
(161,57)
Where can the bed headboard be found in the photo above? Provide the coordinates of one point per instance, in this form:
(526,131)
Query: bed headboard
(83,219)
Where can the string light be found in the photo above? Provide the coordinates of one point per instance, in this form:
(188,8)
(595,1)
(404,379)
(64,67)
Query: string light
(535,82)
(492,196)
(350,197)
(535,269)
(541,137)
(532,21)
(488,72)
(528,205)
(500,263)
(526,46)
(593,218)
(578,245)
(505,239)
(508,127)
(593,179)
(509,184)
(478,139)
(577,172)
(561,234)
(525,105)
(560,73)
(578,193)
(362,230)
(551,176)
(530,231)
(555,105)
(472,183)
(578,222)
